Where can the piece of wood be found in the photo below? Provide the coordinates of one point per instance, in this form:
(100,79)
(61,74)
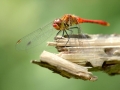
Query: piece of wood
(98,52)
(101,52)
(98,41)
(64,67)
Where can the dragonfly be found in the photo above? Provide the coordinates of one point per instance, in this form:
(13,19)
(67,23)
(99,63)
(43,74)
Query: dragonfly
(61,25)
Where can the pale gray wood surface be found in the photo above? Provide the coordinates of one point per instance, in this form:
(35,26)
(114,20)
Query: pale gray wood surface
(99,52)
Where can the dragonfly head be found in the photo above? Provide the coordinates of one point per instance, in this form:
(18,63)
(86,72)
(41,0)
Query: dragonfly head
(57,24)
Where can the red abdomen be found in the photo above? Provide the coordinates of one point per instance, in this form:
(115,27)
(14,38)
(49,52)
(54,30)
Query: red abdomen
(101,22)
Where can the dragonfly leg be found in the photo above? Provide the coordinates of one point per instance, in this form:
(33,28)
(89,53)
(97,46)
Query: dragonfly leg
(57,34)
(68,35)
(80,34)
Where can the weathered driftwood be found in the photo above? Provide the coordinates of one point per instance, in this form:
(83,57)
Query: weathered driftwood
(100,52)
(64,67)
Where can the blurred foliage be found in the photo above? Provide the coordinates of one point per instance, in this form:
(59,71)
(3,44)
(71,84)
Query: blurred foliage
(20,17)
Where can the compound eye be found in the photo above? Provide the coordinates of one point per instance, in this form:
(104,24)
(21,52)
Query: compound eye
(57,23)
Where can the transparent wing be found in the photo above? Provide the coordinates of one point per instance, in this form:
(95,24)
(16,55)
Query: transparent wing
(35,38)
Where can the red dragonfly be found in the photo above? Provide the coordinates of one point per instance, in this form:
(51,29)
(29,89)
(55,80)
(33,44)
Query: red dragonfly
(62,24)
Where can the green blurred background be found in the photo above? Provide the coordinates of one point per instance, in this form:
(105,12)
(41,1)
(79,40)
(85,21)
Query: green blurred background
(20,17)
